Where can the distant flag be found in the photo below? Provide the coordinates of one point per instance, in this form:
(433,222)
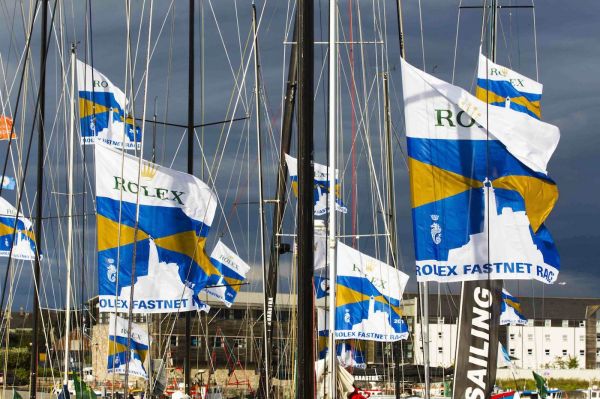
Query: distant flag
(480,191)
(503,354)
(320,262)
(8,182)
(498,85)
(24,245)
(176,211)
(6,126)
(119,352)
(103,111)
(511,311)
(231,274)
(368,296)
(321,186)
(348,355)
(540,383)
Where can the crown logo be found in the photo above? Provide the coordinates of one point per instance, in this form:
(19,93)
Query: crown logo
(149,171)
(435,217)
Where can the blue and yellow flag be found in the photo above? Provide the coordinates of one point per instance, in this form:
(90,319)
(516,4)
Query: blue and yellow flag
(119,352)
(479,199)
(368,296)
(103,111)
(498,85)
(511,311)
(175,213)
(23,246)
(321,186)
(232,273)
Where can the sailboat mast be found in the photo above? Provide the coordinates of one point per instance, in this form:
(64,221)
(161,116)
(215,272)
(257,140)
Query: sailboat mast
(305,382)
(70,173)
(331,197)
(261,209)
(39,202)
(391,216)
(190,170)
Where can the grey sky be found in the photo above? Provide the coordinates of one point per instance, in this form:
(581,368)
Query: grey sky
(568,56)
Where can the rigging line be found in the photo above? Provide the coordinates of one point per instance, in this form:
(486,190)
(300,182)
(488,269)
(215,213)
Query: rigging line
(422,34)
(168,88)
(535,45)
(456,41)
(236,83)
(21,189)
(238,97)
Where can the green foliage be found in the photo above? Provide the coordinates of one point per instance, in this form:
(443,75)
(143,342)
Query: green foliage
(565,384)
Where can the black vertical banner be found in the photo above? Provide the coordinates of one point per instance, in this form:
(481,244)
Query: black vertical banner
(477,348)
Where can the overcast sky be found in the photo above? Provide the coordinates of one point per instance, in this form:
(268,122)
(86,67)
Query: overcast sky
(568,55)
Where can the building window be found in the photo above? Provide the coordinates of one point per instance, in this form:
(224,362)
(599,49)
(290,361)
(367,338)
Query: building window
(195,342)
(512,336)
(239,343)
(530,337)
(582,338)
(581,352)
(564,338)
(440,334)
(582,323)
(565,323)
(547,352)
(440,349)
(218,342)
(548,323)
(547,337)
(530,351)
(564,352)
(512,351)
(173,340)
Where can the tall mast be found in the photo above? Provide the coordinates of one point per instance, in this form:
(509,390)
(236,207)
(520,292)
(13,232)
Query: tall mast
(305,367)
(70,173)
(391,216)
(190,170)
(331,225)
(39,202)
(261,210)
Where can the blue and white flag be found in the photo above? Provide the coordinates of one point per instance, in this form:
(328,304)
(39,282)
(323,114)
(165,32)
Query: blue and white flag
(498,85)
(176,211)
(8,182)
(321,186)
(232,272)
(479,198)
(320,262)
(119,352)
(103,111)
(511,311)
(368,296)
(504,359)
(24,245)
(348,355)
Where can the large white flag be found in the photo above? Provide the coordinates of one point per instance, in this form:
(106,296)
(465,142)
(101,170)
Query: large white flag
(119,352)
(479,200)
(368,297)
(176,211)
(103,111)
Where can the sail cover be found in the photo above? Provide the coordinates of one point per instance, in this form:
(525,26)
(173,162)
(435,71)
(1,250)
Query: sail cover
(176,211)
(470,188)
(368,296)
(103,111)
(118,348)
